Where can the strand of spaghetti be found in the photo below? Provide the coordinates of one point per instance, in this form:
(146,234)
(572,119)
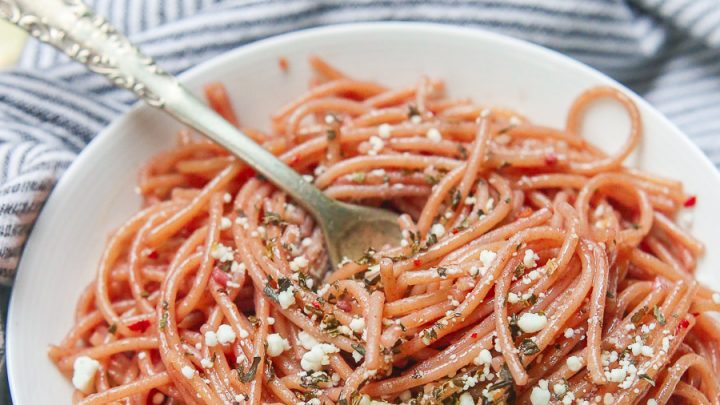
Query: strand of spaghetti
(339,105)
(599,265)
(172,225)
(109,349)
(502,326)
(673,231)
(90,321)
(124,391)
(374,328)
(190,301)
(388,280)
(170,343)
(332,88)
(323,68)
(473,166)
(263,312)
(137,286)
(381,192)
(574,121)
(662,392)
(219,101)
(453,242)
(205,167)
(406,381)
(110,256)
(690,393)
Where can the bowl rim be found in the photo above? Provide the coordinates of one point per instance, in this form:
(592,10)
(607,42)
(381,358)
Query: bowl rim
(288,38)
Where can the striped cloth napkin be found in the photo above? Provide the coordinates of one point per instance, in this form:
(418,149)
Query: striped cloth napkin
(50,107)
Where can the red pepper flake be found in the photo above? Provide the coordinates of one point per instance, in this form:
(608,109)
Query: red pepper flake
(283,63)
(344,305)
(140,326)
(684,324)
(690,202)
(696,314)
(220,277)
(455,231)
(294,160)
(474,335)
(153,254)
(246,174)
(316,305)
(551,159)
(417,262)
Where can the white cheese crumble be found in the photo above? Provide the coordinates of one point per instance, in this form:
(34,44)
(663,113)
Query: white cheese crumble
(317,357)
(308,177)
(652,401)
(271,320)
(225,334)
(531,323)
(357,324)
(298,263)
(617,375)
(438,230)
(466,399)
(487,257)
(227,198)
(221,253)
(384,131)
(286,298)
(225,223)
(243,333)
(530,259)
(188,372)
(376,144)
(307,340)
(513,298)
(206,363)
(574,363)
(540,394)
(276,345)
(569,333)
(559,389)
(211,339)
(238,268)
(716,298)
(483,358)
(84,370)
(434,135)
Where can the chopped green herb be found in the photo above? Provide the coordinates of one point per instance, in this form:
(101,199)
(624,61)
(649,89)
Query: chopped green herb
(250,374)
(659,316)
(272,218)
(456,196)
(112,329)
(647,378)
(358,348)
(528,347)
(358,177)
(638,316)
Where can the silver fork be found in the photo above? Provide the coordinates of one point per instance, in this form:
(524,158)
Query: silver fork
(71,26)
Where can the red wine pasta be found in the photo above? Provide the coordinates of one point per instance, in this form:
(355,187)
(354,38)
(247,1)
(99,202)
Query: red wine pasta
(534,267)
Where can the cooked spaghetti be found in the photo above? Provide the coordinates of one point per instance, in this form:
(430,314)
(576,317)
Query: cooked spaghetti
(534,268)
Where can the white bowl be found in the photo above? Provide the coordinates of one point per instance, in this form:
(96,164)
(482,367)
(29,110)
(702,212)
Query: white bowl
(96,194)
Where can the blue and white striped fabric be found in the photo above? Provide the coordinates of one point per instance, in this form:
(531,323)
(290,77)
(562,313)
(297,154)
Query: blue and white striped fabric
(50,107)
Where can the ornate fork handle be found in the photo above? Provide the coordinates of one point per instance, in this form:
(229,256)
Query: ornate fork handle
(72,27)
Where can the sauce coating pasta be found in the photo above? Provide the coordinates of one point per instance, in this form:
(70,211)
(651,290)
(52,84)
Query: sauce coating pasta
(534,268)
